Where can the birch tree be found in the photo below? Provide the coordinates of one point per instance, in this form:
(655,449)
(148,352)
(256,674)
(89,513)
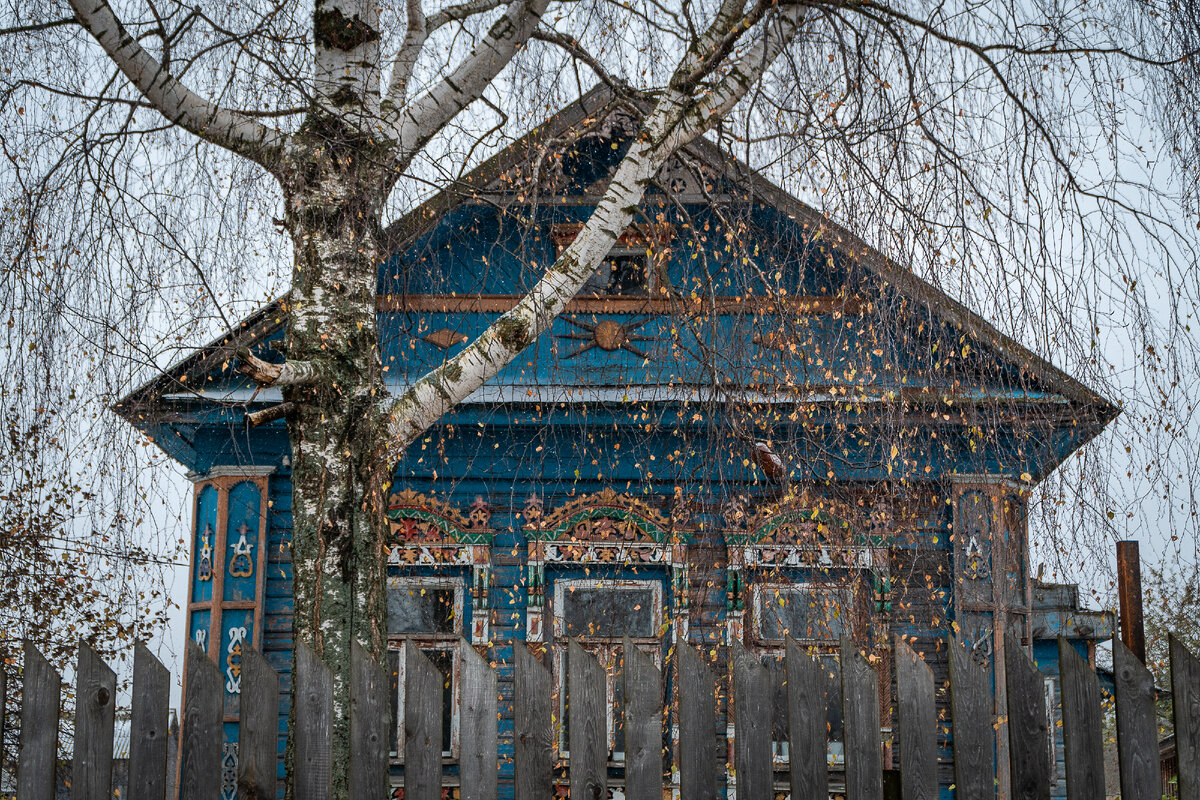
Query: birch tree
(332,108)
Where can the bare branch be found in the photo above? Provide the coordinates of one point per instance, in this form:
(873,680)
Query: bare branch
(256,418)
(179,104)
(572,47)
(34,27)
(264,373)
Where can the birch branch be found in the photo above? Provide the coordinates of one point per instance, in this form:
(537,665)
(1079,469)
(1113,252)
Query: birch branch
(264,373)
(674,121)
(221,126)
(415,33)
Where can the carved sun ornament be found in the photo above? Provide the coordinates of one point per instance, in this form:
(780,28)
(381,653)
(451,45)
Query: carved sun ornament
(608,335)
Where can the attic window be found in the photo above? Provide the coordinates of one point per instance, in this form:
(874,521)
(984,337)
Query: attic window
(623,272)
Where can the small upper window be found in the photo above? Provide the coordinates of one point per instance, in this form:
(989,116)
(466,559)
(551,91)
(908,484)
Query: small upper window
(809,613)
(623,272)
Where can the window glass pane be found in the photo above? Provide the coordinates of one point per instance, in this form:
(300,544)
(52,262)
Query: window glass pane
(627,274)
(609,612)
(805,613)
(416,609)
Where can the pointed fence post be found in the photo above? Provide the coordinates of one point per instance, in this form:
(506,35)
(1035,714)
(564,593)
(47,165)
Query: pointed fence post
(477,727)
(258,728)
(643,725)
(1082,743)
(1137,726)
(587,731)
(971,721)
(533,753)
(918,724)
(697,726)
(422,726)
(39,728)
(808,759)
(1185,689)
(370,715)
(95,715)
(313,736)
(860,709)
(148,727)
(200,768)
(752,725)
(1028,726)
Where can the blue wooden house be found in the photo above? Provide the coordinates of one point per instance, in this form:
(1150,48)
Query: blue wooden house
(748,425)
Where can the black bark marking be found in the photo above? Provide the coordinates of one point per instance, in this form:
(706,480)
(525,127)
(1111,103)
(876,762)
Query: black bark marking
(333,29)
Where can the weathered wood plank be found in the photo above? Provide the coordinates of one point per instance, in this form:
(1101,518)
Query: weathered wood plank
(422,726)
(587,734)
(149,727)
(752,725)
(1028,726)
(38,753)
(477,726)
(808,759)
(971,721)
(200,766)
(533,754)
(1083,747)
(643,725)
(312,738)
(370,717)
(258,728)
(1137,726)
(917,713)
(860,710)
(95,715)
(1185,689)
(698,755)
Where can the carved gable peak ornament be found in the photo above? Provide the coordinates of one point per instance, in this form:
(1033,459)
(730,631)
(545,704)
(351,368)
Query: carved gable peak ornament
(417,519)
(604,516)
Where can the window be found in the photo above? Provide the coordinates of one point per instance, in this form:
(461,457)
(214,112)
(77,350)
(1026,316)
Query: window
(429,613)
(600,613)
(623,272)
(808,612)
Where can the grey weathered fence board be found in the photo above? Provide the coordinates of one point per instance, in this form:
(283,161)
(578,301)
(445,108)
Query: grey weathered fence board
(643,725)
(95,715)
(697,726)
(752,725)
(1137,726)
(807,736)
(312,737)
(533,754)
(918,724)
(1185,689)
(370,719)
(477,727)
(39,728)
(860,715)
(200,767)
(258,728)
(1083,747)
(149,727)
(587,733)
(422,726)
(971,715)
(1028,726)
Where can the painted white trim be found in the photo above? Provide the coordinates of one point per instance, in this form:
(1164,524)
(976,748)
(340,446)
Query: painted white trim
(231,471)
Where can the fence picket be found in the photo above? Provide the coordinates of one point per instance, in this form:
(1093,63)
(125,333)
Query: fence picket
(752,725)
(1185,689)
(697,726)
(1028,725)
(38,753)
(422,726)
(971,715)
(477,726)
(258,728)
(370,717)
(587,734)
(643,725)
(149,727)
(1137,726)
(808,767)
(533,754)
(918,724)
(95,715)
(200,769)
(1082,745)
(860,713)
(313,735)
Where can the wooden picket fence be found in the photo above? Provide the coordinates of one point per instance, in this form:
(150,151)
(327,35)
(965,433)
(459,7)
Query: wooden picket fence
(701,763)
